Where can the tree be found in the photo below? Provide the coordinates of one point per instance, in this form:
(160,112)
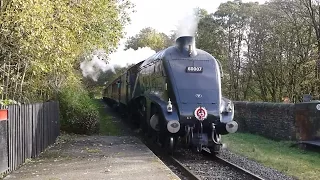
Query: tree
(42,41)
(148,37)
(268,51)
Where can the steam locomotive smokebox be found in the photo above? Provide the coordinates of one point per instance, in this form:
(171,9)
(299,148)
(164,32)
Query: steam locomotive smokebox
(307,117)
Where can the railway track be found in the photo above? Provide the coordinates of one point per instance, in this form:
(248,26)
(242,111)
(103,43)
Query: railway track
(228,163)
(254,176)
(206,167)
(174,164)
(202,166)
(186,172)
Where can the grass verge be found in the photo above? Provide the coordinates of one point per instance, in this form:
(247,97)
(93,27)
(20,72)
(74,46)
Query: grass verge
(278,155)
(106,125)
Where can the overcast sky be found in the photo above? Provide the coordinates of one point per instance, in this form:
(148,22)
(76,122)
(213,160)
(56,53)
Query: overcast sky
(163,15)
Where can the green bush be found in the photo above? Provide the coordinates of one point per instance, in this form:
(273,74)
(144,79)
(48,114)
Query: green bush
(79,113)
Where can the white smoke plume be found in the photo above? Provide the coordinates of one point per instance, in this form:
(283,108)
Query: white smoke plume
(94,64)
(188,24)
(130,56)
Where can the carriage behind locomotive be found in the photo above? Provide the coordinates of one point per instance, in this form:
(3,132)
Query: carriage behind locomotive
(176,94)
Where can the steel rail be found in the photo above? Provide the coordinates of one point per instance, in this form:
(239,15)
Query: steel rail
(183,168)
(230,164)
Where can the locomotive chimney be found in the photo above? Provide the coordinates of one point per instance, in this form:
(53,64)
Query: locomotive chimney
(186,45)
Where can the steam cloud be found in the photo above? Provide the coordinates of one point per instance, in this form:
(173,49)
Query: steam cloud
(188,25)
(130,56)
(94,64)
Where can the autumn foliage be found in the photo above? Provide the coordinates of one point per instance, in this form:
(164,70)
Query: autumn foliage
(41,45)
(41,42)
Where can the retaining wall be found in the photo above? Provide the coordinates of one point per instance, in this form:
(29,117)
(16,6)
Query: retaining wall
(271,120)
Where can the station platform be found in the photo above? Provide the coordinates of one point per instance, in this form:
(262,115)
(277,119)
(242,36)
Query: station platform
(96,157)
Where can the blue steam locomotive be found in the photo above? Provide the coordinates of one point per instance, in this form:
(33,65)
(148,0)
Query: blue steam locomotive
(175,96)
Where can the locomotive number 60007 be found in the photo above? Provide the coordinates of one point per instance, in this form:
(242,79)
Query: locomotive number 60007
(193,69)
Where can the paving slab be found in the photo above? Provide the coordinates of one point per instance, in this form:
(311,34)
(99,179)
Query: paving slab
(95,157)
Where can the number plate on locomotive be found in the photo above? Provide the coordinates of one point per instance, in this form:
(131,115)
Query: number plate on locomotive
(194,69)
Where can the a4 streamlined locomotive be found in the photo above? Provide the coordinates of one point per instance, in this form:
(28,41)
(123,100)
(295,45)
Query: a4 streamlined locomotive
(175,96)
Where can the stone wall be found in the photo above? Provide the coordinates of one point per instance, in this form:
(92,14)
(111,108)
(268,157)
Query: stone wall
(272,120)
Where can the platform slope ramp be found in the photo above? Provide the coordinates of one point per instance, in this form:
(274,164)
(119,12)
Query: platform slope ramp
(96,157)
